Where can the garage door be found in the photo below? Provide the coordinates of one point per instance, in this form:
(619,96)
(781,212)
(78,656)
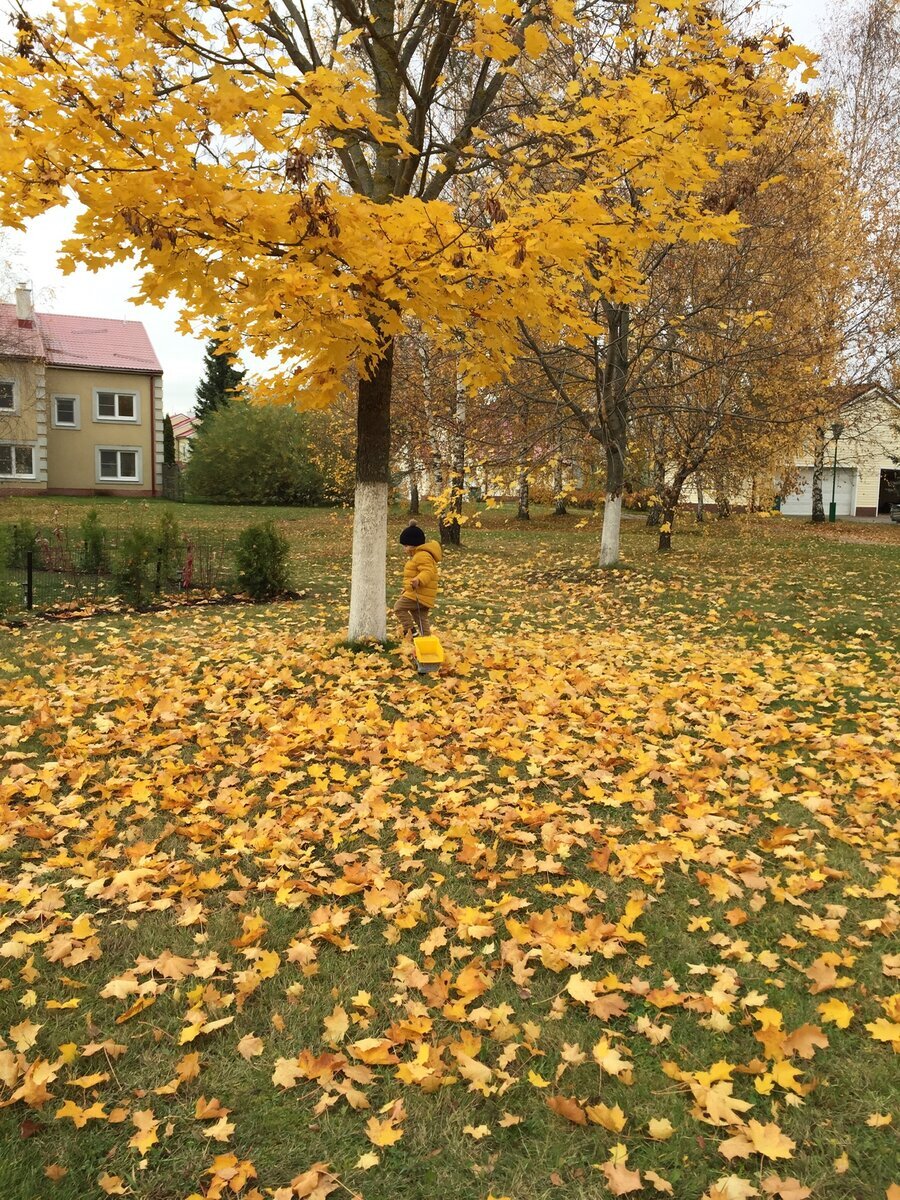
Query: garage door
(800,503)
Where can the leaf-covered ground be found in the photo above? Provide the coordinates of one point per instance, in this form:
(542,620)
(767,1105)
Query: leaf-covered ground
(609,908)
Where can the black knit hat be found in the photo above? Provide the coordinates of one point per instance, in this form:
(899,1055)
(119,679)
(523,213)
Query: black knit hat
(412,535)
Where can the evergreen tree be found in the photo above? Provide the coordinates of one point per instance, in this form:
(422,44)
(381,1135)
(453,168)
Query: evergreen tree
(220,380)
(168,442)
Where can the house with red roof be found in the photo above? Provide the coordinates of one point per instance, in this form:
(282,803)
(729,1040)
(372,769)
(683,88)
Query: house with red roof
(80,404)
(184,429)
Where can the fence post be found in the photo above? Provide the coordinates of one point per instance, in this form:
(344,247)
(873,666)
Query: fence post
(29,580)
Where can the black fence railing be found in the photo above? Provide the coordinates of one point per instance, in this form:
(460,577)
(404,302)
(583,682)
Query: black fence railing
(60,568)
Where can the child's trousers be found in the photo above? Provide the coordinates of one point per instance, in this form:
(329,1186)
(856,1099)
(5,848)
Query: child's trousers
(412,615)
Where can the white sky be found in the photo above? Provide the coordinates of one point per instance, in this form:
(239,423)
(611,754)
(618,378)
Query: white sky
(106,293)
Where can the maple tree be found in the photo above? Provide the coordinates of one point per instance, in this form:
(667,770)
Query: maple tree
(304,180)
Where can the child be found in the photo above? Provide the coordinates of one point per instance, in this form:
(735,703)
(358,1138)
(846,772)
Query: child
(420,580)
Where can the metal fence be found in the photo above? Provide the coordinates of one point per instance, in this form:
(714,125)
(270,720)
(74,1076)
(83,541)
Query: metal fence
(59,568)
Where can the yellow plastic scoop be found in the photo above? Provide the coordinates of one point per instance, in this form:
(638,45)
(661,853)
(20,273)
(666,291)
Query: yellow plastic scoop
(429,653)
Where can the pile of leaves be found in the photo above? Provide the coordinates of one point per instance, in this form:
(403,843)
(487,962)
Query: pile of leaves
(609,908)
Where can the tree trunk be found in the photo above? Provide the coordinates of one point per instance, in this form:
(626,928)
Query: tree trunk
(723,504)
(665,527)
(450,527)
(654,516)
(700,502)
(522,513)
(818,504)
(613,414)
(559,506)
(370,506)
(413,483)
(612,508)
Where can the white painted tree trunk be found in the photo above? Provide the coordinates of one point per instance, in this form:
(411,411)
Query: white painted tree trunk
(609,539)
(368,605)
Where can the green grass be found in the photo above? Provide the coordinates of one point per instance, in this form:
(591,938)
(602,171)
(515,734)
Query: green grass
(733,706)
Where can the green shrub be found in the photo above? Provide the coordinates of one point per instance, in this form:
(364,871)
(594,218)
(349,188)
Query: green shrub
(261,558)
(168,546)
(134,566)
(255,454)
(21,537)
(94,544)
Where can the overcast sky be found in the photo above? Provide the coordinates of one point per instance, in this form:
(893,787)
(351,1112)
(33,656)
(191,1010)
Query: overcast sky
(106,293)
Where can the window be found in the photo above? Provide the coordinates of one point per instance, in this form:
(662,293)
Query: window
(66,414)
(122,465)
(7,395)
(16,462)
(116,406)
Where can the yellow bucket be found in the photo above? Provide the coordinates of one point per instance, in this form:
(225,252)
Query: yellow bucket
(429,653)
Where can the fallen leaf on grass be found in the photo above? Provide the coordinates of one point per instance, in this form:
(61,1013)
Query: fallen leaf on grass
(767,1140)
(113,1185)
(660,1128)
(477,1131)
(146,1125)
(382,1133)
(250,1046)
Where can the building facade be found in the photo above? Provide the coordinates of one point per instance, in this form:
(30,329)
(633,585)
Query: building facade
(862,465)
(81,405)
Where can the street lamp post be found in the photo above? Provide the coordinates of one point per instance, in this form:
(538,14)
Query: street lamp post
(836,430)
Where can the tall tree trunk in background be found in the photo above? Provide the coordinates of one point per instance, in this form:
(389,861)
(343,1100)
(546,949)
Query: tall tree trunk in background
(450,527)
(723,504)
(413,481)
(368,607)
(654,515)
(671,497)
(523,496)
(431,421)
(613,419)
(700,502)
(818,504)
(559,498)
(523,490)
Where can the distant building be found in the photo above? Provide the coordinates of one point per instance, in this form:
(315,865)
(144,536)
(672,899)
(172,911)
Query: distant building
(866,481)
(185,429)
(80,404)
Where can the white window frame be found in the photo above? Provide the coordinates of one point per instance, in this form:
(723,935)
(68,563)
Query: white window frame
(22,446)
(138,462)
(76,424)
(15,398)
(117,420)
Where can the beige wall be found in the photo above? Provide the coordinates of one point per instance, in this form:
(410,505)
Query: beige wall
(27,425)
(872,444)
(72,453)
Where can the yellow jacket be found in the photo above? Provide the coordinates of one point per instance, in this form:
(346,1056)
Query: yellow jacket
(423,567)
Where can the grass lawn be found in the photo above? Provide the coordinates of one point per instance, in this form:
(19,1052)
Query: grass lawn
(608,908)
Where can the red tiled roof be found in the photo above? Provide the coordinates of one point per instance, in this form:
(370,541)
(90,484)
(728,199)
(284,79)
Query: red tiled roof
(100,342)
(183,426)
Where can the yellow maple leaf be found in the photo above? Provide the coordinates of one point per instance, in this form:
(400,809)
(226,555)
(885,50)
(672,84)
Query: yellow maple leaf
(113,1185)
(836,1011)
(382,1133)
(660,1128)
(146,1125)
(336,1026)
(612,1119)
(250,1046)
(477,1131)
